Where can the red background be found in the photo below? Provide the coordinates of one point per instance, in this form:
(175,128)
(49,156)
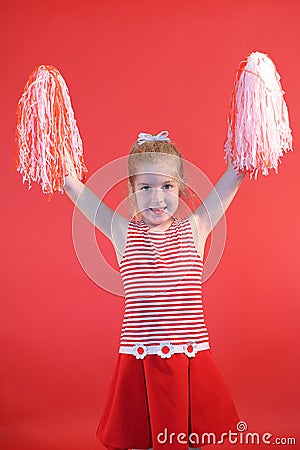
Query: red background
(132,66)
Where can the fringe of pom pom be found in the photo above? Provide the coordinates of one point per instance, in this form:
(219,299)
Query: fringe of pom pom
(258,124)
(46,130)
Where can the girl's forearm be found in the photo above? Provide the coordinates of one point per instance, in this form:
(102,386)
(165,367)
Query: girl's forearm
(96,211)
(83,197)
(220,197)
(227,186)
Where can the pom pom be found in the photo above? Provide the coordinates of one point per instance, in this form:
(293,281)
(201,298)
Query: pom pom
(46,132)
(258,124)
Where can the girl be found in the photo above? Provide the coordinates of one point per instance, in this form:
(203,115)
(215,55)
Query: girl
(166,389)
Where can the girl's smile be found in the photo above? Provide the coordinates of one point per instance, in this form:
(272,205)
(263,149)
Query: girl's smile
(158,211)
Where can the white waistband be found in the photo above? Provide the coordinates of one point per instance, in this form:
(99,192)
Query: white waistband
(164,350)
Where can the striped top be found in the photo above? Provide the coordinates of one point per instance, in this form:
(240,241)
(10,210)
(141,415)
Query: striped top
(162,275)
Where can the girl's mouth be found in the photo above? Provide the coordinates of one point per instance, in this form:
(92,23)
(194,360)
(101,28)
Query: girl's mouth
(158,211)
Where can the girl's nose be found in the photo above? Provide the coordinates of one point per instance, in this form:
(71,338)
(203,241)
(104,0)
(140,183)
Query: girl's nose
(157,196)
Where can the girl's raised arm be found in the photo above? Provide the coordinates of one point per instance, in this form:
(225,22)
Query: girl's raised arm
(208,214)
(96,211)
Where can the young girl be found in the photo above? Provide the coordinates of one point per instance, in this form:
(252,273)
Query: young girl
(166,389)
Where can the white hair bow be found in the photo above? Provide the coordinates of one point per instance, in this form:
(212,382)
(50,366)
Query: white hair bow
(145,137)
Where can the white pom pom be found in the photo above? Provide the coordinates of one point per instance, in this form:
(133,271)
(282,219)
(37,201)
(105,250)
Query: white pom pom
(258,124)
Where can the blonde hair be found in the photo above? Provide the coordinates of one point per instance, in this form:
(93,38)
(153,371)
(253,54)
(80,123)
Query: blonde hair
(155,151)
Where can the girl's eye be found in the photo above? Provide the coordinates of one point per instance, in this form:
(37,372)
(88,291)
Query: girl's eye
(166,186)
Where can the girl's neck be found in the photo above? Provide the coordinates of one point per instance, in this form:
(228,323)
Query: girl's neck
(160,227)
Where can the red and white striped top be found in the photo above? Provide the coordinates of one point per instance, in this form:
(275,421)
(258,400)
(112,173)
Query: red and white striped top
(162,275)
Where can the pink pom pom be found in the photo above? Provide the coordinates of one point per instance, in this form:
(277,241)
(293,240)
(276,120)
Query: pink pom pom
(47,132)
(258,124)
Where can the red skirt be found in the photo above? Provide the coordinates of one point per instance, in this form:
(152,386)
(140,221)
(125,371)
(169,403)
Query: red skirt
(166,403)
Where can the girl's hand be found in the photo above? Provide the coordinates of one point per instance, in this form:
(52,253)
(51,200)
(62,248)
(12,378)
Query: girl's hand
(71,175)
(231,168)
(70,166)
(229,164)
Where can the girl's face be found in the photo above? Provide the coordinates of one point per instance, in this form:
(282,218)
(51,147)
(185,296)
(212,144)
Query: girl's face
(156,192)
